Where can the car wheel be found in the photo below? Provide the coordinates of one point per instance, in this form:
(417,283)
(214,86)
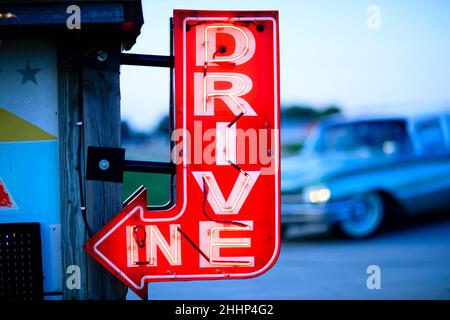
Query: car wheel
(366,218)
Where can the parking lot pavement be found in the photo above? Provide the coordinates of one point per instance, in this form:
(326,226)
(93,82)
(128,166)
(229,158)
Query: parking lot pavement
(414,262)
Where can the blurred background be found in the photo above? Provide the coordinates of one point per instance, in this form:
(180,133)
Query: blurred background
(365,132)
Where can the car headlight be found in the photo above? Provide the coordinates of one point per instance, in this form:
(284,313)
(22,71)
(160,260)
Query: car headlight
(317,194)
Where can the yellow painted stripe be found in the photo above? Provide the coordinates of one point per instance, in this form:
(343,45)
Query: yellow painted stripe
(14,128)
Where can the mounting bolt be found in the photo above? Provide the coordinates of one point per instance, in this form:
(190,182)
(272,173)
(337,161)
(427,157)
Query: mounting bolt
(102,55)
(103,164)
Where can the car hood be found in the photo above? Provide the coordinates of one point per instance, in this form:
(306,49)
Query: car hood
(301,171)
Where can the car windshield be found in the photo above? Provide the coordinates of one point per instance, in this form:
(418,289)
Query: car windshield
(365,138)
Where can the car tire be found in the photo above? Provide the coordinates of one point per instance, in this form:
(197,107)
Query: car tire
(367,216)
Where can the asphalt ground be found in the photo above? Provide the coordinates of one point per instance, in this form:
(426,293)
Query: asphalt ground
(413,260)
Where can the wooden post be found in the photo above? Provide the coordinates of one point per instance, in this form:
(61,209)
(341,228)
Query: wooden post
(101,103)
(89,115)
(73,233)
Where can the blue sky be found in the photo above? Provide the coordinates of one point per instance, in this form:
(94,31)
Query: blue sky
(328,55)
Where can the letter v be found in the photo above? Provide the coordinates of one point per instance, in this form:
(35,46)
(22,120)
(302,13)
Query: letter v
(237,197)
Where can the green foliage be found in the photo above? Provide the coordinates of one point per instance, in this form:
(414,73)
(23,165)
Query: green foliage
(300,112)
(129,133)
(126,130)
(163,126)
(331,110)
(288,149)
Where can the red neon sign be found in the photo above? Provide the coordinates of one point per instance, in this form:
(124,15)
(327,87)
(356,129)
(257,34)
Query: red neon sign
(225,221)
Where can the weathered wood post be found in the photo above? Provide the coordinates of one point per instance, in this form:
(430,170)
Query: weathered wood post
(70,155)
(89,115)
(101,127)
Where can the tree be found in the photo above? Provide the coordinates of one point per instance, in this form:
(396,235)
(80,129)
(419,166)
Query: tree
(163,126)
(331,110)
(301,112)
(126,130)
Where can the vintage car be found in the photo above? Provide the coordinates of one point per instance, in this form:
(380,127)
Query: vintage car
(353,174)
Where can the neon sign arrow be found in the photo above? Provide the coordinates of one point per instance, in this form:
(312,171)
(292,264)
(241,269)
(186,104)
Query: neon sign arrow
(129,246)
(105,245)
(224,223)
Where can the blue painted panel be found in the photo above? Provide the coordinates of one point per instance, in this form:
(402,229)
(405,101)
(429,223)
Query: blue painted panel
(30,172)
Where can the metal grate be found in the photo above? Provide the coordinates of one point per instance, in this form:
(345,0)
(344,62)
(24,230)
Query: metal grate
(21,276)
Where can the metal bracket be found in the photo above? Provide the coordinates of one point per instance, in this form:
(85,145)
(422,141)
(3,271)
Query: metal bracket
(146,60)
(93,166)
(105,164)
(109,164)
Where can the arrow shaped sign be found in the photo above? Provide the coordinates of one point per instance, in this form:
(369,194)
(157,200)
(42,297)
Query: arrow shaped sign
(107,246)
(138,249)
(224,223)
